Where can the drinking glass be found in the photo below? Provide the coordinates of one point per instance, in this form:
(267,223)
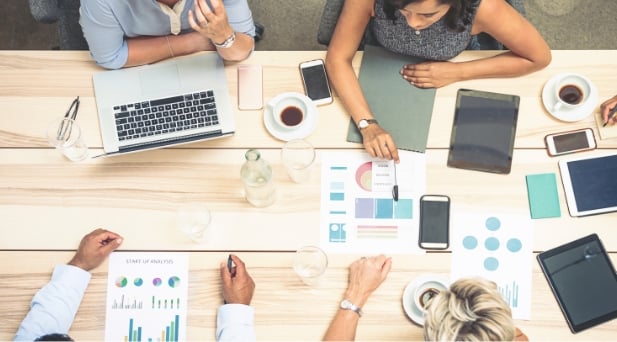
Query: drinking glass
(193,220)
(310,263)
(298,157)
(65,135)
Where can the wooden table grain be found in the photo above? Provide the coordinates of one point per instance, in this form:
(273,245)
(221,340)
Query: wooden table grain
(48,203)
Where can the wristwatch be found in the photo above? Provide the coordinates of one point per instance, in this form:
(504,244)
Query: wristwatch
(227,43)
(347,305)
(365,122)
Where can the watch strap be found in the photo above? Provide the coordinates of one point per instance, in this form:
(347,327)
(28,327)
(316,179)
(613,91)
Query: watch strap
(346,304)
(368,122)
(228,42)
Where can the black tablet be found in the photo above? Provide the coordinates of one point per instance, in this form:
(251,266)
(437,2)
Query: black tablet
(583,280)
(483,131)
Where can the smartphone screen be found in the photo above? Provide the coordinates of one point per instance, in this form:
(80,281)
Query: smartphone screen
(434,221)
(250,87)
(315,81)
(569,142)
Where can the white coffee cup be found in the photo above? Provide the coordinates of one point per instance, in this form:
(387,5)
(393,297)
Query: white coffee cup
(571,91)
(288,110)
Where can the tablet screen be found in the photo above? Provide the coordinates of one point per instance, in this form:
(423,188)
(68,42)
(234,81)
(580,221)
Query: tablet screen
(583,280)
(483,131)
(593,182)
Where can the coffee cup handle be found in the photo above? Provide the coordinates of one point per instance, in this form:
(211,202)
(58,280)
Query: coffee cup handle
(557,106)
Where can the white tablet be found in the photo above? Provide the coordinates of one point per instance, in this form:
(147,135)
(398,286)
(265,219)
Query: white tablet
(590,184)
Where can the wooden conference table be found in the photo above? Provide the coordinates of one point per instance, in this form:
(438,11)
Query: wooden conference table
(48,203)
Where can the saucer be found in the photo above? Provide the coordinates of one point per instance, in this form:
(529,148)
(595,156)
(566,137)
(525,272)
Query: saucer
(302,131)
(568,115)
(413,312)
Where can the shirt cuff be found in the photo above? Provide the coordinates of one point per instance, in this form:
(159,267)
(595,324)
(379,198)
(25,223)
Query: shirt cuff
(234,322)
(69,274)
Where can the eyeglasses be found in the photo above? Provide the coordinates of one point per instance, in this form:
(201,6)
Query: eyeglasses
(66,127)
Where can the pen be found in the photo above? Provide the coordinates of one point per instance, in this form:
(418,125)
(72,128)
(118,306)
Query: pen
(610,115)
(395,187)
(229,264)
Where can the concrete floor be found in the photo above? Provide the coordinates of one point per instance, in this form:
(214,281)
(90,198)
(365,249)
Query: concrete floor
(292,24)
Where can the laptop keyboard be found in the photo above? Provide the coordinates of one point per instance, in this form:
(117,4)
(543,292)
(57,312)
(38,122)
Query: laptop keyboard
(171,114)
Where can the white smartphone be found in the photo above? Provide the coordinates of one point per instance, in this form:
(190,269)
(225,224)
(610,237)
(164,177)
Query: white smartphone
(434,222)
(250,87)
(315,81)
(569,142)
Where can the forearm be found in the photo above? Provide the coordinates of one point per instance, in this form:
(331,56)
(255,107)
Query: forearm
(145,50)
(240,50)
(347,87)
(506,64)
(343,326)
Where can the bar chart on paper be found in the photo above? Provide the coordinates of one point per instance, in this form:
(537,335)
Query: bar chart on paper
(147,297)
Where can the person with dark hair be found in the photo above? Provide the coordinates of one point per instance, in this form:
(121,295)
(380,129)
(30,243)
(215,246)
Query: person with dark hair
(435,30)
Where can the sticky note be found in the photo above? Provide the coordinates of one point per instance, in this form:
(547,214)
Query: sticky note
(542,195)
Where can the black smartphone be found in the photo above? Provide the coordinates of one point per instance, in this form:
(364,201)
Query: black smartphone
(315,81)
(434,222)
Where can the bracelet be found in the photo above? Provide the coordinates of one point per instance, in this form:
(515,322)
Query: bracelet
(228,42)
(169,46)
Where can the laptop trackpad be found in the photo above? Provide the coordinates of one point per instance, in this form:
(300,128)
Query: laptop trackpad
(161,80)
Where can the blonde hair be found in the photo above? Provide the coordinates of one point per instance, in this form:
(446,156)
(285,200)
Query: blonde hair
(472,310)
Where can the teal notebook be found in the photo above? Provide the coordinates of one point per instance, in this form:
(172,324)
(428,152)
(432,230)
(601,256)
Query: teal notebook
(399,107)
(542,195)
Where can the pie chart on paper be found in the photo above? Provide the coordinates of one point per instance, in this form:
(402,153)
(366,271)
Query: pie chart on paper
(364,176)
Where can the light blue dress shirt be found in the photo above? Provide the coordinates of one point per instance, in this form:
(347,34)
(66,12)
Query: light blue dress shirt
(53,309)
(106,24)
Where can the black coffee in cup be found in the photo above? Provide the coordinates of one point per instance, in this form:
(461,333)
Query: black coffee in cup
(292,116)
(571,94)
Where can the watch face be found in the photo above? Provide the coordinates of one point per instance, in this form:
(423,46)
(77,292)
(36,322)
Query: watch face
(363,123)
(345,304)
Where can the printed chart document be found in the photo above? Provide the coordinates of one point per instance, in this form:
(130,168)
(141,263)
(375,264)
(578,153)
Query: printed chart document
(147,296)
(358,212)
(497,247)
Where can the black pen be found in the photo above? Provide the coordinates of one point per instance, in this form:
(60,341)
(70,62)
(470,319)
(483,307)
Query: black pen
(610,115)
(395,187)
(229,265)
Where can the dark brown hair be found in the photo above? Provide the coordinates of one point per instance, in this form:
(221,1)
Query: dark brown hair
(458,16)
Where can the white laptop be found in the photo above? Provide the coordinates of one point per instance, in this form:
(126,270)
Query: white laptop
(178,101)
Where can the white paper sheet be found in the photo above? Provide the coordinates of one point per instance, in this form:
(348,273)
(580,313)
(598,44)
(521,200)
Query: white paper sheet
(147,296)
(497,247)
(358,213)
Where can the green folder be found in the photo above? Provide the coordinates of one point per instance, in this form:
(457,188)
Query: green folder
(399,107)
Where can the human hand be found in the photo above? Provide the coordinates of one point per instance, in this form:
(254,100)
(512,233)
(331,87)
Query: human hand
(212,22)
(378,143)
(606,107)
(238,286)
(431,74)
(365,276)
(94,248)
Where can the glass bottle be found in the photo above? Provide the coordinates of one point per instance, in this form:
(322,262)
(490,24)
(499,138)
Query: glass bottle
(256,175)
